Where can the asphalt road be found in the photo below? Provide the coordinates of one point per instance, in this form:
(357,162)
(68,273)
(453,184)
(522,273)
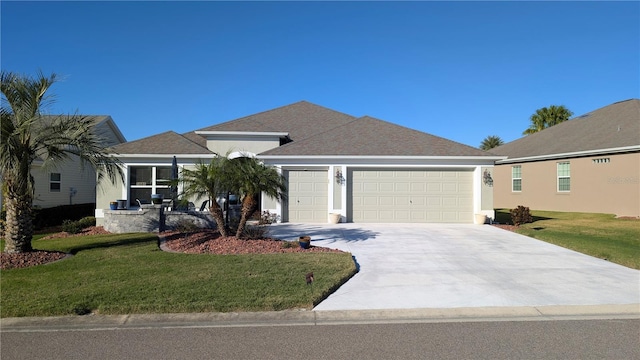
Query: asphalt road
(559,339)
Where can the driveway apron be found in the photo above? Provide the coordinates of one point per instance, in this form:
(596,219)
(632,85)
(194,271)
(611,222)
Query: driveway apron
(410,266)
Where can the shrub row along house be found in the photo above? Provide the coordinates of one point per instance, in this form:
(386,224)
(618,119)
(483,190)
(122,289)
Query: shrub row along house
(362,168)
(590,163)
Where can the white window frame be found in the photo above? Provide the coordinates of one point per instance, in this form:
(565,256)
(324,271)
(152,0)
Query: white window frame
(513,178)
(154,180)
(59,182)
(563,176)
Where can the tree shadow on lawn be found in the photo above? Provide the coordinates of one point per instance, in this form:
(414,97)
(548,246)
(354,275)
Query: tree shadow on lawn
(112,243)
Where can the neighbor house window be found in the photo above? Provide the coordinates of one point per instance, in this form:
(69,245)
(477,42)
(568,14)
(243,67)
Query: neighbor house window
(147,180)
(516,178)
(54,182)
(564,177)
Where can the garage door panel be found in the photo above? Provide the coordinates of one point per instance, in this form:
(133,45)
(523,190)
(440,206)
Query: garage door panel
(307,195)
(411,196)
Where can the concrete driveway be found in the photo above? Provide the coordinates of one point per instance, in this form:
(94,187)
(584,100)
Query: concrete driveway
(411,266)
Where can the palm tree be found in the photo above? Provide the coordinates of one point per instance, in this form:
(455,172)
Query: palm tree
(252,178)
(27,135)
(209,181)
(547,117)
(490,142)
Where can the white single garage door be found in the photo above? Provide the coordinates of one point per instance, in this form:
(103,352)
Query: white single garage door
(411,196)
(307,195)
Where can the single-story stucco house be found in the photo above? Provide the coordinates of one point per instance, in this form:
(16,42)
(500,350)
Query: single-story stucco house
(590,163)
(362,168)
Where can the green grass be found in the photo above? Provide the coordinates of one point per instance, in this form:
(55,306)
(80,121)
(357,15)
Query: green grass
(127,273)
(599,235)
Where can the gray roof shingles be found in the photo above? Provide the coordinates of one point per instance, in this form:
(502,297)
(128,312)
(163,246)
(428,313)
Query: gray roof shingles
(613,126)
(367,136)
(169,143)
(301,120)
(314,130)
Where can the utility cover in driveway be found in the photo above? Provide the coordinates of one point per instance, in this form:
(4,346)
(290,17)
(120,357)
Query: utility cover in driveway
(411,196)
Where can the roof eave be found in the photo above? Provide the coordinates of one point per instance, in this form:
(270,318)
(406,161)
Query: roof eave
(160,156)
(373,157)
(575,154)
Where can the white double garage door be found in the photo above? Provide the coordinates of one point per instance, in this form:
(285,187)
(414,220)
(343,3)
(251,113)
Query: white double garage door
(384,195)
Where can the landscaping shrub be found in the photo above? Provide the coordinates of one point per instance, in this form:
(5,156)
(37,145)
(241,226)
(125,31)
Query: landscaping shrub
(252,232)
(186,226)
(87,221)
(70,226)
(520,215)
(74,227)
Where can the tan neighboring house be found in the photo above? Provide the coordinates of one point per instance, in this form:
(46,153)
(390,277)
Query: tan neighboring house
(70,183)
(590,163)
(360,168)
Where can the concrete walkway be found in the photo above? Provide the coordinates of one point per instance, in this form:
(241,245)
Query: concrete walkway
(440,266)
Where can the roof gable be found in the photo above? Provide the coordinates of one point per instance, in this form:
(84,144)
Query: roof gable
(169,143)
(610,127)
(367,136)
(300,120)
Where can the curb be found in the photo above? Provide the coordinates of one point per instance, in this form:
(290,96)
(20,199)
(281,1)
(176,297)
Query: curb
(308,318)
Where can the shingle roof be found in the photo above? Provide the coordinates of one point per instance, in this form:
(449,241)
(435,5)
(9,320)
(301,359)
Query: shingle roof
(301,120)
(169,143)
(314,130)
(367,136)
(613,126)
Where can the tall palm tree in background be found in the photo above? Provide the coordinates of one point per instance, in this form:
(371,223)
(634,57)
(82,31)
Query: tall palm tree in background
(490,142)
(547,117)
(252,178)
(26,135)
(209,181)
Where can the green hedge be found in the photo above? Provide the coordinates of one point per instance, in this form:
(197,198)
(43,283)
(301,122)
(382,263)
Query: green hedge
(44,218)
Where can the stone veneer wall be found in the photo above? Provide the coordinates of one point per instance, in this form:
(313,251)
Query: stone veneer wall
(152,218)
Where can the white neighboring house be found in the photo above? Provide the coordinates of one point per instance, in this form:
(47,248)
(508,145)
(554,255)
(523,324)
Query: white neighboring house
(361,168)
(69,182)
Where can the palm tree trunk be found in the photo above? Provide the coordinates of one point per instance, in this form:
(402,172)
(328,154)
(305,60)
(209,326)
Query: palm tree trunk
(218,216)
(248,206)
(19,225)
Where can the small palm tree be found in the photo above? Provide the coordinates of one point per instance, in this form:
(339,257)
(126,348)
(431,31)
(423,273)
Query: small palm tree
(208,181)
(27,135)
(251,179)
(490,142)
(547,117)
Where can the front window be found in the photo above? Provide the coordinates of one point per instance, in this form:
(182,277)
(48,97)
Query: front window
(55,182)
(564,177)
(147,180)
(516,178)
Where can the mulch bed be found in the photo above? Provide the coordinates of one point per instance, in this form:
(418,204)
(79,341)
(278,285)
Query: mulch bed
(210,242)
(200,242)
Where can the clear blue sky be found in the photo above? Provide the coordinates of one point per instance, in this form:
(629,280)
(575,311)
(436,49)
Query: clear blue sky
(460,70)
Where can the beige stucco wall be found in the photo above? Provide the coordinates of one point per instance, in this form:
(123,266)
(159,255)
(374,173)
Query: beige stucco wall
(105,193)
(608,187)
(253,146)
(486,189)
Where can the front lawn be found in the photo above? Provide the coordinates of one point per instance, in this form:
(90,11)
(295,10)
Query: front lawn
(128,273)
(599,235)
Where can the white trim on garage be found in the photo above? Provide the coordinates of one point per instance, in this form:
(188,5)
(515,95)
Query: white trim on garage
(402,195)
